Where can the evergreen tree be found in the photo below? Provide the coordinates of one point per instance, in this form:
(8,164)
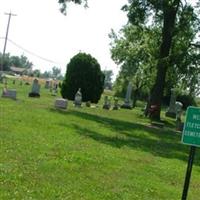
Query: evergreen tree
(83,71)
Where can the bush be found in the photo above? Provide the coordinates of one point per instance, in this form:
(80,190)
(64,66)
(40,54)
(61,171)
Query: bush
(83,71)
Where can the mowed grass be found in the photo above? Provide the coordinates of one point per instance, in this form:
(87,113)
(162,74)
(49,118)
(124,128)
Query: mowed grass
(88,153)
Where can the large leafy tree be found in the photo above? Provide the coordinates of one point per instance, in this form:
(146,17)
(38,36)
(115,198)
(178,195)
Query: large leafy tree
(6,61)
(56,72)
(20,61)
(168,14)
(17,61)
(135,50)
(83,71)
(172,16)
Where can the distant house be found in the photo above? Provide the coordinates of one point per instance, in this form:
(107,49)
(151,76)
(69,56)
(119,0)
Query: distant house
(18,70)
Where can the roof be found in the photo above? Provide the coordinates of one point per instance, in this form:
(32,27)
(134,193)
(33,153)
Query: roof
(18,69)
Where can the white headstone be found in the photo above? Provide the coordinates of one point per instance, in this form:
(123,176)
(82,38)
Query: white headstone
(179,107)
(78,98)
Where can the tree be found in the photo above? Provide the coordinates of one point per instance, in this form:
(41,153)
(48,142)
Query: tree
(47,74)
(135,51)
(36,73)
(165,12)
(6,61)
(21,62)
(83,71)
(56,72)
(63,4)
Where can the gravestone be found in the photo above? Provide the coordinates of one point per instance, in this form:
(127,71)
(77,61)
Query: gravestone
(47,84)
(51,86)
(128,102)
(171,112)
(35,92)
(78,98)
(14,82)
(9,93)
(55,89)
(107,103)
(179,124)
(116,105)
(61,103)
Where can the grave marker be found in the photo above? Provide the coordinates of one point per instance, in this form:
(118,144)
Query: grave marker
(61,103)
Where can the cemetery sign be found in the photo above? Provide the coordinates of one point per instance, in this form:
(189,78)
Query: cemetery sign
(191,131)
(191,136)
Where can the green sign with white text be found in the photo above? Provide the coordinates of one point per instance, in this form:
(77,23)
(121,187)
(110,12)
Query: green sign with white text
(191,130)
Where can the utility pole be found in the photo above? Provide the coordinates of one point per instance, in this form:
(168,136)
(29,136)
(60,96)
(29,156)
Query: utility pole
(6,38)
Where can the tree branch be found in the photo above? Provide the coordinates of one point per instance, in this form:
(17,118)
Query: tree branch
(197,45)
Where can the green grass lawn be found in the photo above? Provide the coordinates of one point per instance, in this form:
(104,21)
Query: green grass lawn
(88,153)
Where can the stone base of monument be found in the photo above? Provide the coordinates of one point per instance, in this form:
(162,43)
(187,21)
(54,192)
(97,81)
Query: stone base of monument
(61,103)
(12,94)
(78,105)
(170,114)
(32,94)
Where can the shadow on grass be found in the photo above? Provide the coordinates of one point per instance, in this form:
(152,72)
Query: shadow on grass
(163,143)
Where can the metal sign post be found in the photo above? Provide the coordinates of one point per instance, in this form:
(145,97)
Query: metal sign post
(188,172)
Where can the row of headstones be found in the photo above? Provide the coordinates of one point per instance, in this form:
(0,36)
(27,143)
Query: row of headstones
(12,93)
(53,86)
(62,103)
(174,110)
(49,84)
(35,91)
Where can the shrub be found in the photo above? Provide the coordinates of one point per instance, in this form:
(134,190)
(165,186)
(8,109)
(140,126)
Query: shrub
(83,71)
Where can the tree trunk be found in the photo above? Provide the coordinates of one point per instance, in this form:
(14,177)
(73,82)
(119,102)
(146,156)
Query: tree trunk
(156,95)
(135,97)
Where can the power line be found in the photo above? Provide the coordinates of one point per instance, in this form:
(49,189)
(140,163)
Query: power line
(32,53)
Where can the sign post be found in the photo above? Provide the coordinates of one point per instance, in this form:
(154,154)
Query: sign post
(188,172)
(191,136)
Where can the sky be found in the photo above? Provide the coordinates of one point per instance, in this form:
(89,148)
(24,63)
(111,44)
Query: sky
(40,31)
